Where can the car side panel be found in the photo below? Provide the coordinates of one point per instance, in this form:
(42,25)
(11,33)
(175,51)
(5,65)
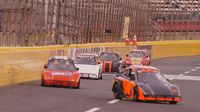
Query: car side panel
(128,89)
(127,86)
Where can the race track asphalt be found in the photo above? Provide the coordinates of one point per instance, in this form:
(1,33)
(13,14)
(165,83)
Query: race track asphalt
(94,95)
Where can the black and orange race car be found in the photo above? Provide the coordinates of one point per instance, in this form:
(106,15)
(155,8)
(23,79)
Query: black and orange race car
(111,61)
(60,71)
(145,83)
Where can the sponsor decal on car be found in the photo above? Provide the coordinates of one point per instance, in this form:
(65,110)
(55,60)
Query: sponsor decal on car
(61,74)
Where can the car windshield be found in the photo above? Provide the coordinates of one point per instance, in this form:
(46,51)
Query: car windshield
(136,54)
(151,77)
(89,60)
(109,57)
(60,64)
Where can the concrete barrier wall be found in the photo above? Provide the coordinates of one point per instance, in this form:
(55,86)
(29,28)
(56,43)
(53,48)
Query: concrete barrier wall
(25,64)
(174,48)
(21,66)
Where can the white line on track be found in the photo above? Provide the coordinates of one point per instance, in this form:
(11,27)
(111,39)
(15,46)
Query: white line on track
(193,70)
(177,77)
(93,109)
(114,101)
(197,67)
(187,72)
(181,74)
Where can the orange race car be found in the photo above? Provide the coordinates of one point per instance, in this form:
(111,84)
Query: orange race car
(145,83)
(60,71)
(111,61)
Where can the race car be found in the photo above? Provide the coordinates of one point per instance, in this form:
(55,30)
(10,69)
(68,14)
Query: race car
(145,83)
(89,66)
(111,61)
(139,57)
(60,71)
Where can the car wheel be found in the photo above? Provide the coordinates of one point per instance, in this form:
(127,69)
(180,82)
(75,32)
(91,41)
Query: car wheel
(100,75)
(149,63)
(78,85)
(118,70)
(42,83)
(173,102)
(136,95)
(117,91)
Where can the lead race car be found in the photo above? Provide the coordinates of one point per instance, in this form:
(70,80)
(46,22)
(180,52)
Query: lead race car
(89,66)
(111,61)
(145,83)
(60,71)
(139,57)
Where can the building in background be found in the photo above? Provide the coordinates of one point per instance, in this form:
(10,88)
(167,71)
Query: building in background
(176,19)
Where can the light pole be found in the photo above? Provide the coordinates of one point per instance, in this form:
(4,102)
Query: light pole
(58,22)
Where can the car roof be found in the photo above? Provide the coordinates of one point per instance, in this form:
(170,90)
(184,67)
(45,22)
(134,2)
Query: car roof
(60,58)
(109,52)
(144,68)
(139,50)
(87,54)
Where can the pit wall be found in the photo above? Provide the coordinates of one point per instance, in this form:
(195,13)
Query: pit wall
(20,65)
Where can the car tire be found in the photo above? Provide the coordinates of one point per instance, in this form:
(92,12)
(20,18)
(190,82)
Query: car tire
(78,85)
(100,76)
(42,83)
(173,102)
(117,91)
(136,95)
(118,70)
(149,63)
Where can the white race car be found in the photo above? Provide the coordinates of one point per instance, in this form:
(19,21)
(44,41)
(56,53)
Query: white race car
(89,66)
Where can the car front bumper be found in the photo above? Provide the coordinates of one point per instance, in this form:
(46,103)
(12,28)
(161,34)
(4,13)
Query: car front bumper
(160,98)
(88,75)
(61,83)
